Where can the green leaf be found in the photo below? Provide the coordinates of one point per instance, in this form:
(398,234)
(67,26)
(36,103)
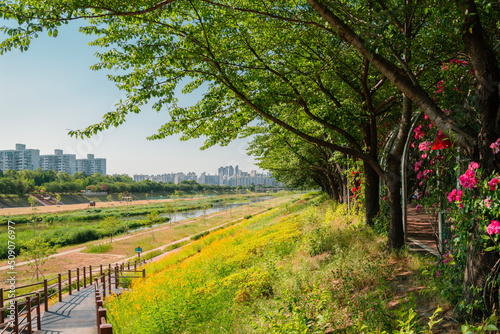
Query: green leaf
(489,249)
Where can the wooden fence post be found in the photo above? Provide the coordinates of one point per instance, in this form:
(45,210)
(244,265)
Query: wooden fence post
(103,279)
(90,272)
(109,281)
(28,314)
(84,277)
(98,304)
(101,271)
(38,316)
(106,329)
(16,317)
(45,295)
(128,265)
(59,285)
(116,278)
(78,279)
(135,265)
(143,272)
(1,305)
(69,281)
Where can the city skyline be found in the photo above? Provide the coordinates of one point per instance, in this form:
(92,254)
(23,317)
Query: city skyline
(49,90)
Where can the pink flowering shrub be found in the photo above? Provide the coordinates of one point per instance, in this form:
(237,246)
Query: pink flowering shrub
(495,146)
(493,183)
(468,180)
(493,228)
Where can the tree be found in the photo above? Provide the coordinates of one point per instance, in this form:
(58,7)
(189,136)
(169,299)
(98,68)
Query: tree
(224,44)
(37,251)
(110,226)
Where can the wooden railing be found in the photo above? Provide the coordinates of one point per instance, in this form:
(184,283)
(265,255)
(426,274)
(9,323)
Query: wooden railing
(21,319)
(105,283)
(15,319)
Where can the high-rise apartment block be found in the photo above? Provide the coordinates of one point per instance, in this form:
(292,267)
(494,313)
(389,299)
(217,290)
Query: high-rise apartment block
(229,176)
(91,165)
(19,159)
(22,158)
(59,162)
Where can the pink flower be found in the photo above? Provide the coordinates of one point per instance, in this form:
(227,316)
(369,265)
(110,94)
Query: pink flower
(495,146)
(425,146)
(418,207)
(437,273)
(418,164)
(473,165)
(456,196)
(493,183)
(487,202)
(420,175)
(446,111)
(424,156)
(468,180)
(421,183)
(493,228)
(413,145)
(439,87)
(451,195)
(419,134)
(430,125)
(426,117)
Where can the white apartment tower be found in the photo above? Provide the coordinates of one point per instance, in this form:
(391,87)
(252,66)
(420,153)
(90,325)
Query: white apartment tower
(91,165)
(59,162)
(19,159)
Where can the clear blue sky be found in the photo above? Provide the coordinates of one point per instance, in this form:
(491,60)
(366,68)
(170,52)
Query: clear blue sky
(50,89)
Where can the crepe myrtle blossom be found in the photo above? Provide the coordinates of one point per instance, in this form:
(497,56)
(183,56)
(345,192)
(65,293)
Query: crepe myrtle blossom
(424,156)
(419,134)
(456,196)
(495,146)
(473,165)
(493,228)
(487,202)
(493,183)
(425,146)
(468,180)
(418,207)
(418,164)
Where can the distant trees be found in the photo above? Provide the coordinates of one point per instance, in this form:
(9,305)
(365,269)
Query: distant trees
(23,182)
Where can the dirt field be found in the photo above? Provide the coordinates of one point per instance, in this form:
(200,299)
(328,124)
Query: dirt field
(75,207)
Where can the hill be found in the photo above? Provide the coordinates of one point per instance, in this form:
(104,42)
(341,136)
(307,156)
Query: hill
(304,267)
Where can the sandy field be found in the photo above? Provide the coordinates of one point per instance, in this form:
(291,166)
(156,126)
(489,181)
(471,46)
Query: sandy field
(75,207)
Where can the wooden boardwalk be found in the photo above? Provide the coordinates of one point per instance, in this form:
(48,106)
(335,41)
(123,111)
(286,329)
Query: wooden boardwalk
(76,314)
(421,235)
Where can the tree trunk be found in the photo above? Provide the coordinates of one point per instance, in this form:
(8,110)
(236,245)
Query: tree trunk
(477,271)
(372,189)
(395,237)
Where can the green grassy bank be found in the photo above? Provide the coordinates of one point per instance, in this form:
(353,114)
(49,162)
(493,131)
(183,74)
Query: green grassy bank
(304,267)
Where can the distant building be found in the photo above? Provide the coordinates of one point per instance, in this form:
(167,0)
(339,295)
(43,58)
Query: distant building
(19,159)
(91,165)
(59,162)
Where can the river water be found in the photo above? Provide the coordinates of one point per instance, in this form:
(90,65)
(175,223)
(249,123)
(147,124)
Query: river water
(217,207)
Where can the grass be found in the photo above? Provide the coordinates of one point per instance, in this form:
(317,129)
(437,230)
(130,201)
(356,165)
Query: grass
(98,248)
(123,249)
(309,267)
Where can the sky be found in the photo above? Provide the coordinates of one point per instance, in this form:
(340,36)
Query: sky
(50,89)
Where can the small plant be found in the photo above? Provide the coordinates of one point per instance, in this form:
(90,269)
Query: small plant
(37,251)
(98,248)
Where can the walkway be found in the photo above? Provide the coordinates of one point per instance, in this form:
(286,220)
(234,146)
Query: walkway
(74,315)
(420,231)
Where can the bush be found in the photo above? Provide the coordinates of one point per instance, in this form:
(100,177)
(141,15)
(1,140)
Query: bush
(99,248)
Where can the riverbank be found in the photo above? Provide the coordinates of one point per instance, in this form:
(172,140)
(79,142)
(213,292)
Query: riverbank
(124,246)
